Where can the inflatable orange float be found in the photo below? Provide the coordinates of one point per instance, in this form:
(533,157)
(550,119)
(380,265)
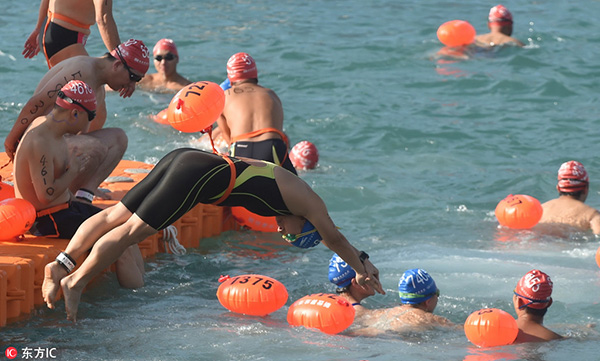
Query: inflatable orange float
(251,294)
(253,221)
(490,327)
(196,107)
(326,312)
(456,33)
(519,211)
(16,217)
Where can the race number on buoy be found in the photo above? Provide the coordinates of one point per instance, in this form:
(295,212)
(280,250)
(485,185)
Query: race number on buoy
(251,294)
(196,106)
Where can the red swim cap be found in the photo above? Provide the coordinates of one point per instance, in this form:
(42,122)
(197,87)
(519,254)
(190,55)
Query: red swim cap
(165,44)
(535,288)
(304,155)
(135,54)
(241,66)
(80,92)
(500,15)
(572,177)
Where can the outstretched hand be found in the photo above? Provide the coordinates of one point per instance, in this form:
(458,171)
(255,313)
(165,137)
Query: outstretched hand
(370,277)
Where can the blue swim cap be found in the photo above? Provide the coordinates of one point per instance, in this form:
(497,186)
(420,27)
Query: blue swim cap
(416,286)
(309,237)
(340,273)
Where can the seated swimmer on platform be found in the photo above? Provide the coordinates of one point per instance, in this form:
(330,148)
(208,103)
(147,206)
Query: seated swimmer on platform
(569,208)
(166,79)
(252,120)
(45,183)
(182,179)
(531,300)
(500,23)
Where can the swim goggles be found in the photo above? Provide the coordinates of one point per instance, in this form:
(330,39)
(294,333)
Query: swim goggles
(166,57)
(91,113)
(132,76)
(414,297)
(531,300)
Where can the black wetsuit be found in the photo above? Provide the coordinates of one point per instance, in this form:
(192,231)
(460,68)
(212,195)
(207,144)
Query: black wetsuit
(186,177)
(272,150)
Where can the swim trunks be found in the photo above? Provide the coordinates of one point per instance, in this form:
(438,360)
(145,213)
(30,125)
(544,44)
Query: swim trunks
(57,37)
(186,177)
(272,150)
(64,222)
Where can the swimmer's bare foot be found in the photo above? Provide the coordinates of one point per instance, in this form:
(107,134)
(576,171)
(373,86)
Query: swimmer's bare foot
(72,296)
(53,273)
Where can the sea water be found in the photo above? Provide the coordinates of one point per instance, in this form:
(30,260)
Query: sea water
(415,154)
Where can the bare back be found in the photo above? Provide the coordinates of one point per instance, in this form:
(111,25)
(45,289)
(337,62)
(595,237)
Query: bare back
(250,107)
(572,212)
(494,39)
(534,332)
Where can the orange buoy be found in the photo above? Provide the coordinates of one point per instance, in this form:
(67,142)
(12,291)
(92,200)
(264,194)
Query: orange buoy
(251,294)
(598,257)
(6,191)
(329,313)
(456,33)
(16,217)
(519,211)
(304,155)
(253,221)
(196,106)
(161,117)
(490,327)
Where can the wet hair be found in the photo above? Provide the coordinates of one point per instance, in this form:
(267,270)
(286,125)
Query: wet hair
(536,311)
(576,195)
(340,290)
(109,56)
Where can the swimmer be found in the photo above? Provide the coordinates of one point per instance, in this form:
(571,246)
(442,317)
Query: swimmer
(182,179)
(68,27)
(45,184)
(419,296)
(569,208)
(120,68)
(531,300)
(500,23)
(166,79)
(252,120)
(344,277)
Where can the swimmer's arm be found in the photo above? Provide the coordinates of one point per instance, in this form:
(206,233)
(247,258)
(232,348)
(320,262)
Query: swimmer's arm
(32,44)
(41,169)
(595,223)
(106,24)
(225,131)
(37,106)
(302,201)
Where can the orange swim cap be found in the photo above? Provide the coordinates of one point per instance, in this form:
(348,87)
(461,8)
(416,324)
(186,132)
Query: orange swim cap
(241,66)
(165,44)
(500,15)
(572,177)
(83,96)
(535,288)
(135,54)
